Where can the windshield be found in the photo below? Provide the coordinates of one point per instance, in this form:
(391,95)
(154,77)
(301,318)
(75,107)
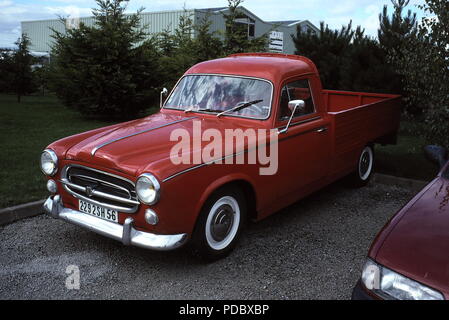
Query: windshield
(215,94)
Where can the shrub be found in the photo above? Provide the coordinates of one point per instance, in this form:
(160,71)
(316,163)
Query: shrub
(107,70)
(423,61)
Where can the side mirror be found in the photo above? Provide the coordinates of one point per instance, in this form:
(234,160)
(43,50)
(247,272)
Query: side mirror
(164,93)
(293,106)
(437,154)
(296,105)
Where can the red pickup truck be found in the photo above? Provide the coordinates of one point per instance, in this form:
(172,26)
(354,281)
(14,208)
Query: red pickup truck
(148,183)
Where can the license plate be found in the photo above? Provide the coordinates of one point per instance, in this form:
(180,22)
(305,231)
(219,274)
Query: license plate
(98,211)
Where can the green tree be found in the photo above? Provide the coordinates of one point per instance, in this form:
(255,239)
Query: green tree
(175,49)
(188,45)
(41,76)
(22,76)
(366,68)
(347,59)
(236,36)
(206,45)
(394,31)
(423,61)
(109,69)
(328,49)
(6,70)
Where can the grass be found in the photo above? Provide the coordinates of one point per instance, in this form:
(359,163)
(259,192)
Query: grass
(407,158)
(25,130)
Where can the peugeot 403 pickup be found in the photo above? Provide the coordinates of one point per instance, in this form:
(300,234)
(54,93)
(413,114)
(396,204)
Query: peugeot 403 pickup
(157,183)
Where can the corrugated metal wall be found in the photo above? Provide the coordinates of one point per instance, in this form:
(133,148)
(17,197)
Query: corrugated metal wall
(217,21)
(40,31)
(159,21)
(41,41)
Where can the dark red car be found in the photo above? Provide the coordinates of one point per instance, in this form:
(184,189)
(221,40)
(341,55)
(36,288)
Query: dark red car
(409,259)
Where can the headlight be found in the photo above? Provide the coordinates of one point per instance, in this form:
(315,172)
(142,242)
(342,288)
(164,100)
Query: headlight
(148,189)
(49,162)
(384,281)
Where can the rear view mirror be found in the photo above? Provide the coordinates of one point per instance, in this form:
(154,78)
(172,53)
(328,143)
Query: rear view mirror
(293,106)
(437,155)
(164,93)
(296,106)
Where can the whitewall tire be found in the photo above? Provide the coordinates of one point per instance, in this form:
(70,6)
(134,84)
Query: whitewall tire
(365,167)
(220,223)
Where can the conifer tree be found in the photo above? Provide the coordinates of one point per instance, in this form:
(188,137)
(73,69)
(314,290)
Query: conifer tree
(109,69)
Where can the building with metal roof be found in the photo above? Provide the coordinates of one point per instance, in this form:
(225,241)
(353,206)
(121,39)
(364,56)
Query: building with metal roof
(279,32)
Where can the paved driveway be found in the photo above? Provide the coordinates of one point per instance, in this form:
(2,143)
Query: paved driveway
(311,250)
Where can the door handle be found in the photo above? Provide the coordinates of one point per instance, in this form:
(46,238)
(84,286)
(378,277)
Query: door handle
(321,130)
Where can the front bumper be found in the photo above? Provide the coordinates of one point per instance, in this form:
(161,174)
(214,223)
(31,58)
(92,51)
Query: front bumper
(359,293)
(124,233)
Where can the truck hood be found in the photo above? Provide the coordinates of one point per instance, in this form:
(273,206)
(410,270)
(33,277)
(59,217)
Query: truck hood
(143,145)
(418,245)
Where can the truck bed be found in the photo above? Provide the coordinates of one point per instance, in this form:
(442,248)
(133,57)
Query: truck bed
(360,118)
(338,101)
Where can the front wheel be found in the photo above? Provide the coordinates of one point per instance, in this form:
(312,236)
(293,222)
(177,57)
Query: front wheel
(365,168)
(220,223)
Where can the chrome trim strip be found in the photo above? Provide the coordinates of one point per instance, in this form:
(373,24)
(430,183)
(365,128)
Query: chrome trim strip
(300,122)
(126,235)
(235,154)
(206,164)
(94,150)
(83,177)
(67,185)
(99,194)
(226,75)
(67,167)
(123,233)
(184,171)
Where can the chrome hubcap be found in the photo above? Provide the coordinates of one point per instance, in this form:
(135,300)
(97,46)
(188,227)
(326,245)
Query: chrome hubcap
(222,222)
(366,163)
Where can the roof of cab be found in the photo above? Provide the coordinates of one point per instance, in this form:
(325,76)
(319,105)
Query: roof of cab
(270,66)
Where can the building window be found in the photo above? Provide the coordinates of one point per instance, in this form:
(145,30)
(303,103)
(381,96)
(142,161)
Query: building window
(252,30)
(247,25)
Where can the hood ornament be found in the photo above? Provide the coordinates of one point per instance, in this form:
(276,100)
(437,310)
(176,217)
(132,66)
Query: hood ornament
(90,191)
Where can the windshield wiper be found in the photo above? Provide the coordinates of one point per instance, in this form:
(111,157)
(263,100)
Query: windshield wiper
(202,110)
(191,109)
(240,107)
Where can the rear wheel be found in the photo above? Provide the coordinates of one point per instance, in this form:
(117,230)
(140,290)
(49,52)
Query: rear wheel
(220,223)
(365,168)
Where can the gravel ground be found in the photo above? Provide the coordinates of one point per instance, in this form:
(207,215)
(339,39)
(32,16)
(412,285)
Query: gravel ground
(311,250)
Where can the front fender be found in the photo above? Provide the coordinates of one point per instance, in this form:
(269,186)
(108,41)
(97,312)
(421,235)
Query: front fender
(217,184)
(183,197)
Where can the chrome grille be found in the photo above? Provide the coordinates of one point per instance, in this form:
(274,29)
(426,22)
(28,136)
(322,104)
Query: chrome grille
(101,188)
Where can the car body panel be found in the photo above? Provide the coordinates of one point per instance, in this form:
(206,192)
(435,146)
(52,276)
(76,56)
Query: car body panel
(416,240)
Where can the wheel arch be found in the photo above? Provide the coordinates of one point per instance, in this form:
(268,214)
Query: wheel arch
(241,181)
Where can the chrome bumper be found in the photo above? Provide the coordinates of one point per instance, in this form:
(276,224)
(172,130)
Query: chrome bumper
(124,233)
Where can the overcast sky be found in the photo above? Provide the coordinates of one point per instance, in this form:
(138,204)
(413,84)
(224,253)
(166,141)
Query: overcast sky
(333,12)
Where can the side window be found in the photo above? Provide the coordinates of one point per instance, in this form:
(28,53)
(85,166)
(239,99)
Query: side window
(297,90)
